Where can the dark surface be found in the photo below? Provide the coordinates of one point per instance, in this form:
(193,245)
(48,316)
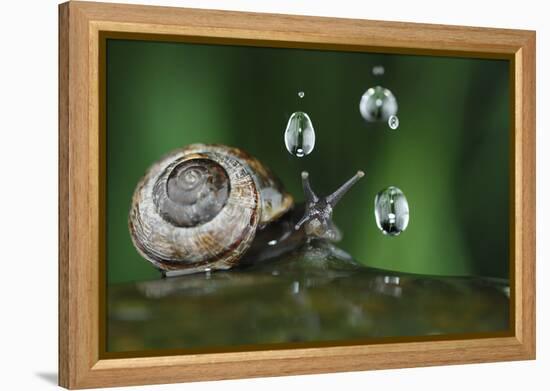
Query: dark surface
(315,293)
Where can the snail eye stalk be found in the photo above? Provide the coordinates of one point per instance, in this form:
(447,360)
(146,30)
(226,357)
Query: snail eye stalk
(339,193)
(317,219)
(308,191)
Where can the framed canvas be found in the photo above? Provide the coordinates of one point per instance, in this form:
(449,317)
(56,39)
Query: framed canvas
(245,195)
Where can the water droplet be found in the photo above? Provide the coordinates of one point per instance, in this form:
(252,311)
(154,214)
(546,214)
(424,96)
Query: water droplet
(388,285)
(296,287)
(393,122)
(394,280)
(391,211)
(272,242)
(301,94)
(299,134)
(378,104)
(378,70)
(207,273)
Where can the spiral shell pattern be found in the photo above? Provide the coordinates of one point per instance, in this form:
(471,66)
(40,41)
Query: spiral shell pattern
(195,211)
(191,192)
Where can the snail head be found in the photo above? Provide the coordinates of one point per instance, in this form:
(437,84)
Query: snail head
(317,219)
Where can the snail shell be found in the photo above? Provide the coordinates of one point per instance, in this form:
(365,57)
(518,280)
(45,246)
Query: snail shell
(199,208)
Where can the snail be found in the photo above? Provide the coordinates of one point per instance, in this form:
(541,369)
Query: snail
(214,207)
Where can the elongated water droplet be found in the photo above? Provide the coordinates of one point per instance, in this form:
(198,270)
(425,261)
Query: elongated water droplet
(378,104)
(299,134)
(301,94)
(393,122)
(391,211)
(378,70)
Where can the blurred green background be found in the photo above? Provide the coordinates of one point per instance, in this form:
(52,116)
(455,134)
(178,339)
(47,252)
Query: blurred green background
(449,155)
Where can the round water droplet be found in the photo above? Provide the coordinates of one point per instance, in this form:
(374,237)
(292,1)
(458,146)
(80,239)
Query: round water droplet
(301,94)
(393,122)
(299,134)
(378,104)
(391,211)
(378,70)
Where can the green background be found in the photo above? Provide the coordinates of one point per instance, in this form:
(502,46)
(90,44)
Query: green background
(449,155)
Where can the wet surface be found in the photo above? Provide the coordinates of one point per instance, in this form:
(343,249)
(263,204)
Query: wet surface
(316,293)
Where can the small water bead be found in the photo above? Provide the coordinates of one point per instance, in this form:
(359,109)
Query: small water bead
(391,211)
(301,94)
(378,104)
(299,134)
(394,280)
(388,286)
(378,70)
(393,122)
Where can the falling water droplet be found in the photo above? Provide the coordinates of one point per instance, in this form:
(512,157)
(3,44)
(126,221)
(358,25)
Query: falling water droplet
(301,94)
(378,70)
(299,134)
(393,122)
(391,211)
(378,104)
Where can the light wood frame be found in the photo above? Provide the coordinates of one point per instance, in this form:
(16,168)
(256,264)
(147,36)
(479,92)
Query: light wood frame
(81,199)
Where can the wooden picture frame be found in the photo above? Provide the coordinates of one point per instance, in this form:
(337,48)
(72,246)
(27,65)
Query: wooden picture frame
(81,188)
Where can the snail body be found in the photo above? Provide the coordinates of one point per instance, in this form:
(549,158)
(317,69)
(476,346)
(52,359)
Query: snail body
(204,207)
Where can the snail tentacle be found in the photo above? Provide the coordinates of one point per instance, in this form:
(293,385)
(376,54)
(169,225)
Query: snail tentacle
(308,191)
(339,193)
(317,218)
(299,224)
